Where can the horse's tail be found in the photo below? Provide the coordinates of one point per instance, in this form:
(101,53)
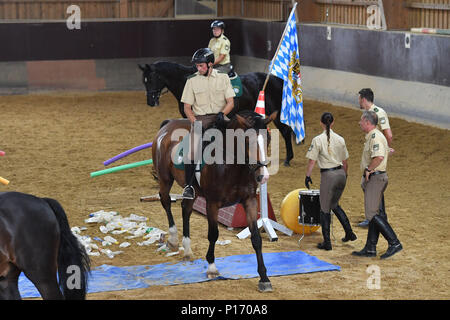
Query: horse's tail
(71,254)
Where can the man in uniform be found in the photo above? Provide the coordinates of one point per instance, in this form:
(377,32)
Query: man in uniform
(208,98)
(220,45)
(374,182)
(365,99)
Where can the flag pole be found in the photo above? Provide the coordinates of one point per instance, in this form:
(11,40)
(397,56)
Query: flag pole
(279,45)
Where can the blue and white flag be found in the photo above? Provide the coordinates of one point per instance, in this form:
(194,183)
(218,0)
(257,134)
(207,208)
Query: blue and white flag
(286,65)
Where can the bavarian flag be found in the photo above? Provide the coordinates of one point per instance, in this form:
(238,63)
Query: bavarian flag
(286,65)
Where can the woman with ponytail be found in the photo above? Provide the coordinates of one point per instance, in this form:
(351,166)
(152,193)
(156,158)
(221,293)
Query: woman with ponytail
(331,154)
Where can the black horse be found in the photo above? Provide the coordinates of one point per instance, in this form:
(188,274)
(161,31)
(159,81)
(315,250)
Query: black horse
(172,76)
(35,238)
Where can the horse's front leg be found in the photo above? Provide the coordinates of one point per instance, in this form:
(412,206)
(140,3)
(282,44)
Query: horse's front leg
(212,210)
(164,196)
(286,133)
(186,206)
(251,208)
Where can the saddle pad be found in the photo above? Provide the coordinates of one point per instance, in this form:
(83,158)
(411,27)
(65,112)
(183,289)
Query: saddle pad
(237,85)
(178,161)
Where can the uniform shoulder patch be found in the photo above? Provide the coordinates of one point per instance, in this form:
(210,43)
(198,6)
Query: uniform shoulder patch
(225,38)
(310,147)
(376,109)
(373,135)
(383,120)
(376,147)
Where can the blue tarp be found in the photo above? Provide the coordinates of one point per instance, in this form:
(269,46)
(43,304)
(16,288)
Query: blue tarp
(111,278)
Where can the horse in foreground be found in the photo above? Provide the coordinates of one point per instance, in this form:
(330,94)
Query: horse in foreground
(35,238)
(220,184)
(172,76)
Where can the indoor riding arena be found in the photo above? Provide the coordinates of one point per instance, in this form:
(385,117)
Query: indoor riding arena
(72,96)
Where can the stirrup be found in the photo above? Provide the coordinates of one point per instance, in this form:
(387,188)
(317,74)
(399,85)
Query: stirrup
(189,192)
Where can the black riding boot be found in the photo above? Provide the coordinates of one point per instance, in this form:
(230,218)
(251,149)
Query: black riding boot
(370,249)
(389,234)
(343,219)
(325,221)
(189,171)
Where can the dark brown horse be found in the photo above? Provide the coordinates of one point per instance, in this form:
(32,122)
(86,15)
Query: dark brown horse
(220,184)
(35,238)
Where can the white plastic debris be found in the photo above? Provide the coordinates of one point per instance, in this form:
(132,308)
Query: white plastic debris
(135,217)
(101,216)
(75,230)
(164,247)
(223,242)
(110,253)
(124,245)
(111,239)
(169,254)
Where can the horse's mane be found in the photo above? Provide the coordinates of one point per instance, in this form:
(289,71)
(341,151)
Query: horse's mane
(168,67)
(251,117)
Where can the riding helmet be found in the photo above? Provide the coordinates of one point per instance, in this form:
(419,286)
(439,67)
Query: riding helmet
(203,55)
(218,23)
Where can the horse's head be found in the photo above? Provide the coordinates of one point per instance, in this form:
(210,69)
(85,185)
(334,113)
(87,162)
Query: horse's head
(153,83)
(257,142)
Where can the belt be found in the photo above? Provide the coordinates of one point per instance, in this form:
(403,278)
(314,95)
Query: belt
(375,173)
(331,169)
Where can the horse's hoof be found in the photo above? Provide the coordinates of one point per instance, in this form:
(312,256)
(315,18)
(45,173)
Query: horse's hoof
(265,287)
(212,275)
(286,163)
(187,258)
(172,247)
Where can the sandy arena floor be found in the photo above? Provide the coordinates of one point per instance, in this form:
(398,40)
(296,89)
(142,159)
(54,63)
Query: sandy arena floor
(53,141)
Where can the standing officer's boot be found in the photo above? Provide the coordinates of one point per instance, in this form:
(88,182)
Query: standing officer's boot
(325,221)
(389,234)
(370,249)
(382,209)
(189,171)
(343,219)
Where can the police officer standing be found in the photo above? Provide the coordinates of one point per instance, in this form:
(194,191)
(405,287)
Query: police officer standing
(365,99)
(220,45)
(374,182)
(331,154)
(207,97)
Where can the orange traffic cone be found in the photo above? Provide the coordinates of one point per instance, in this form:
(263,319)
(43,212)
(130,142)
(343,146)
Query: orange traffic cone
(260,107)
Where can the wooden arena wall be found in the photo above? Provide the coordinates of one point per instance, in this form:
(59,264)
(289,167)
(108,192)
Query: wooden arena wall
(400,14)
(103,55)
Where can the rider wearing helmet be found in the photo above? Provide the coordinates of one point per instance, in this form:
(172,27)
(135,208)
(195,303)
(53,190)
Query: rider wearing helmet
(207,97)
(221,46)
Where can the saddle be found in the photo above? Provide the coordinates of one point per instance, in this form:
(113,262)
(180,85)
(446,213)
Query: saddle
(235,82)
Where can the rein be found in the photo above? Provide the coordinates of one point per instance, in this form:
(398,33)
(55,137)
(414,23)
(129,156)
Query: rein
(254,167)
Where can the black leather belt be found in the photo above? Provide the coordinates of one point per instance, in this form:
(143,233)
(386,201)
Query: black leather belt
(331,169)
(375,173)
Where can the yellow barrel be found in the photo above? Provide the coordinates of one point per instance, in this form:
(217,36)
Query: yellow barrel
(289,211)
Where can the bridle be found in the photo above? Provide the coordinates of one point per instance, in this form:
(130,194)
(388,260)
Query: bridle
(156,93)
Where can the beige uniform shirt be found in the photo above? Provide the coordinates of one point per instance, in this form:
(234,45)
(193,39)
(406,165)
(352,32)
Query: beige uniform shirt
(220,46)
(207,95)
(375,146)
(383,121)
(318,151)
